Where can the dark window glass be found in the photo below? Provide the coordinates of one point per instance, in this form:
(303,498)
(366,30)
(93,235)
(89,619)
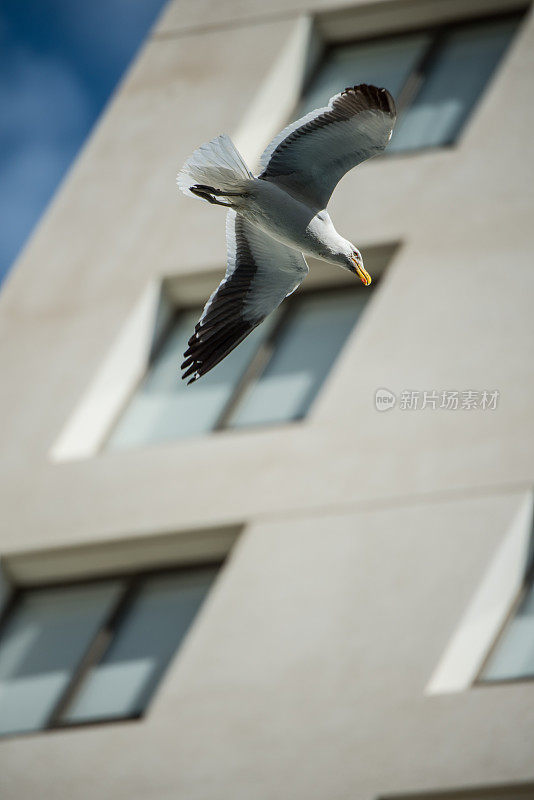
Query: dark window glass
(513,656)
(93,651)
(296,346)
(304,352)
(449,66)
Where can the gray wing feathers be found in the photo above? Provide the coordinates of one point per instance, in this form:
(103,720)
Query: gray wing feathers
(279,271)
(312,154)
(260,273)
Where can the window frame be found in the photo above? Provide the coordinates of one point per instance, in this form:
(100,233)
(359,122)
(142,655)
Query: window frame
(267,349)
(480,679)
(103,638)
(418,75)
(255,367)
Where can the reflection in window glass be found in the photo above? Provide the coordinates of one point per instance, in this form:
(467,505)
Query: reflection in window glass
(384,62)
(157,620)
(41,647)
(513,656)
(463,65)
(303,355)
(165,407)
(89,652)
(295,346)
(453,66)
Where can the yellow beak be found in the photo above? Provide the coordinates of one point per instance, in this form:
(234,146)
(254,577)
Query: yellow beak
(362,273)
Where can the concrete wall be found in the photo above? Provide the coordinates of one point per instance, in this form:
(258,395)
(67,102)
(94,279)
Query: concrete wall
(366,534)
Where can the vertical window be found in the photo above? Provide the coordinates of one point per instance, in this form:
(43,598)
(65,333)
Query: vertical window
(385,62)
(303,353)
(463,62)
(513,656)
(273,376)
(93,652)
(42,644)
(164,407)
(436,77)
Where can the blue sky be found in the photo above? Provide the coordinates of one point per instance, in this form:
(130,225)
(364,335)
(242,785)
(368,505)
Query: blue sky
(59,62)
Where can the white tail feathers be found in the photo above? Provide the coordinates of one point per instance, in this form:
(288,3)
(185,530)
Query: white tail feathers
(216,163)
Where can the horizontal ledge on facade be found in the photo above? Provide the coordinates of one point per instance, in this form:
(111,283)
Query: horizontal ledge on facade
(120,556)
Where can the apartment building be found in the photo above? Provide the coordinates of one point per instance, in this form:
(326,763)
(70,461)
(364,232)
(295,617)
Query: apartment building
(308,575)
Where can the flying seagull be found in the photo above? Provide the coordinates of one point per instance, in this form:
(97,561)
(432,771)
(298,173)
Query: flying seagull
(280,216)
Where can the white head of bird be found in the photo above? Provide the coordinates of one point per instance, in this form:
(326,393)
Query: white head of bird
(350,258)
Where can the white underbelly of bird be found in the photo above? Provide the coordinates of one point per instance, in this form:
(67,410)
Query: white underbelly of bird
(276,218)
(289,220)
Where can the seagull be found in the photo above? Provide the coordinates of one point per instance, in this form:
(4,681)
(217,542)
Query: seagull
(277,218)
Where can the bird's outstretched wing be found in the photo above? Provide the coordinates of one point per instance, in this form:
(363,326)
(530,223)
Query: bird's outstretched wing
(261,271)
(311,155)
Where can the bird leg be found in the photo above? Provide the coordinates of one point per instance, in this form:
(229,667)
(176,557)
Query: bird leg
(208,192)
(205,195)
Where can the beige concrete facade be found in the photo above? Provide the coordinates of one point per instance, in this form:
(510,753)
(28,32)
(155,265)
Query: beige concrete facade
(364,536)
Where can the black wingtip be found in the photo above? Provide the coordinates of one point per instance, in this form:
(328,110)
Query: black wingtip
(372,96)
(189,371)
(193,372)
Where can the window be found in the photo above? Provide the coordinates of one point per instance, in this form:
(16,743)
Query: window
(273,376)
(512,658)
(93,651)
(516,791)
(436,76)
